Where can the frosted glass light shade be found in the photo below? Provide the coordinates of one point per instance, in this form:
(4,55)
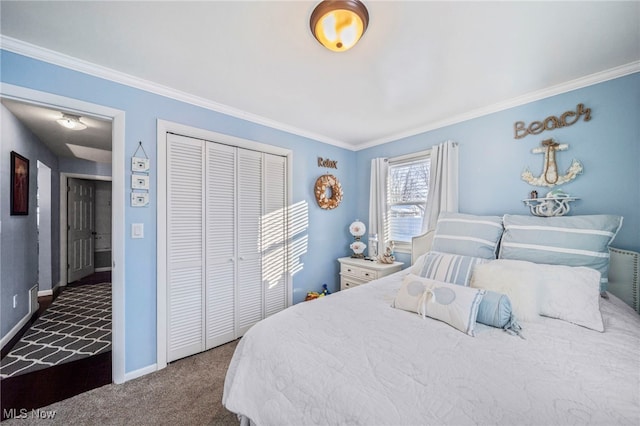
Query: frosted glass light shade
(338,25)
(357,229)
(358,247)
(71,122)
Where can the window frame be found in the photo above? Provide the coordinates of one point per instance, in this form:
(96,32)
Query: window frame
(401,246)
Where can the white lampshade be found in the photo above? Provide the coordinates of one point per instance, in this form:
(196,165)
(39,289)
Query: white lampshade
(357,228)
(358,247)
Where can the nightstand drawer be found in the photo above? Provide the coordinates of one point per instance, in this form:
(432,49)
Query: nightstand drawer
(358,272)
(368,274)
(355,272)
(351,270)
(346,283)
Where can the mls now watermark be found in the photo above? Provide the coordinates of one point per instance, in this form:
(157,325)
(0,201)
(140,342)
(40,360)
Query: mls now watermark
(23,413)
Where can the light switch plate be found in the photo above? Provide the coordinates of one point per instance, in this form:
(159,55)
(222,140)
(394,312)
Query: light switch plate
(137,230)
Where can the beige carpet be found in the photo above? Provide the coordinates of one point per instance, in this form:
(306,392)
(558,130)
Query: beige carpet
(187,392)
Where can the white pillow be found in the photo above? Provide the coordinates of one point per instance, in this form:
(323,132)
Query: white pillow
(568,293)
(450,303)
(571,294)
(514,278)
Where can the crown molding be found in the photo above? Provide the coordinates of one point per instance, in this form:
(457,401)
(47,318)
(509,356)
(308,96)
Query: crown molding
(558,89)
(46,55)
(56,58)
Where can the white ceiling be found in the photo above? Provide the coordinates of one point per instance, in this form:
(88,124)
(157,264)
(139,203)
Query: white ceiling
(92,143)
(419,65)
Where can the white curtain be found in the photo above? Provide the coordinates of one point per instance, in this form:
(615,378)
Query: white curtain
(443,183)
(378,200)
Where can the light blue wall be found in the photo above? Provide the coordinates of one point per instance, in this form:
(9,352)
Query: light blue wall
(491,160)
(325,231)
(19,264)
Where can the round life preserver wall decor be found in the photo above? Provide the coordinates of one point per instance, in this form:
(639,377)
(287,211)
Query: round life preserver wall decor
(331,182)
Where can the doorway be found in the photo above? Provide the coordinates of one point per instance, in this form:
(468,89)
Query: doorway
(118,205)
(43,220)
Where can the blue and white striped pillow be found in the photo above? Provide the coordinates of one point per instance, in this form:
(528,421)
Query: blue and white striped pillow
(468,235)
(449,268)
(566,240)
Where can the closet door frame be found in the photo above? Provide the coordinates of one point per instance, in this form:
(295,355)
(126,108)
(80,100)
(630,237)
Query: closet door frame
(164,127)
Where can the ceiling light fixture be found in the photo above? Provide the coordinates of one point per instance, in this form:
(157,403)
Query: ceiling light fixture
(71,122)
(338,25)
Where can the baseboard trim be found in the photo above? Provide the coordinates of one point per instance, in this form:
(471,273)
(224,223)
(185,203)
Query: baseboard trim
(140,372)
(15,333)
(54,291)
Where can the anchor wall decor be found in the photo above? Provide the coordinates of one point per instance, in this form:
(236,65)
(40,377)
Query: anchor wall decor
(549,176)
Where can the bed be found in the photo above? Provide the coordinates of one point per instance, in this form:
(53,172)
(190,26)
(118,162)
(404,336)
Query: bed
(358,357)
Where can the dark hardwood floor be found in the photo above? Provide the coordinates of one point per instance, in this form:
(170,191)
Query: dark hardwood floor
(43,387)
(95,278)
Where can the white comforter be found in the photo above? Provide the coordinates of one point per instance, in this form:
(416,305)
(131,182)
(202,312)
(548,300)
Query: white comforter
(350,358)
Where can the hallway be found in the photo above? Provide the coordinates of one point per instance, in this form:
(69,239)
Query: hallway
(66,351)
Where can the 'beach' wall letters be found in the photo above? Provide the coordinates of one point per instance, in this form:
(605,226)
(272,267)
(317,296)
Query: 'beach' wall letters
(552,122)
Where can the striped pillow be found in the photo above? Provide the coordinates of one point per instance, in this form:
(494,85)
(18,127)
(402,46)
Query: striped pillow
(467,235)
(449,268)
(566,240)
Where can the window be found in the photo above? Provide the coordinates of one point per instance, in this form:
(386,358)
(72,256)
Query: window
(407,190)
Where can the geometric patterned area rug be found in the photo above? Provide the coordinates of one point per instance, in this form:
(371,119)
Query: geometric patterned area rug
(76,325)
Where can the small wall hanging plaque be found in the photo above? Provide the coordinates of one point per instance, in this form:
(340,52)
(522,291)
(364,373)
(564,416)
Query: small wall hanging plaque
(139,199)
(139,181)
(140,167)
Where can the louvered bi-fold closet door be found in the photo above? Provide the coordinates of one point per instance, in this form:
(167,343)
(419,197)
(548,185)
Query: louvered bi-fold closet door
(185,246)
(274,234)
(226,242)
(221,244)
(250,206)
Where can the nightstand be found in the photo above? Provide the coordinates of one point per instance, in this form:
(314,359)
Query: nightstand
(354,272)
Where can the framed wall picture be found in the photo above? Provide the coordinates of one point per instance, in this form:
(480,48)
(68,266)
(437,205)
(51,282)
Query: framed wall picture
(19,184)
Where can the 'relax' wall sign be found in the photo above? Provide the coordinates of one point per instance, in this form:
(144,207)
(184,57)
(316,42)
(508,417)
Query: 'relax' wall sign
(325,162)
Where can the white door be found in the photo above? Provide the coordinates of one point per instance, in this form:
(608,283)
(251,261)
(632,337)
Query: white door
(80,228)
(274,235)
(249,284)
(185,246)
(44,227)
(221,244)
(226,242)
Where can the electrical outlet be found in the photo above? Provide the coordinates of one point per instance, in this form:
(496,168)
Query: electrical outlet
(15,301)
